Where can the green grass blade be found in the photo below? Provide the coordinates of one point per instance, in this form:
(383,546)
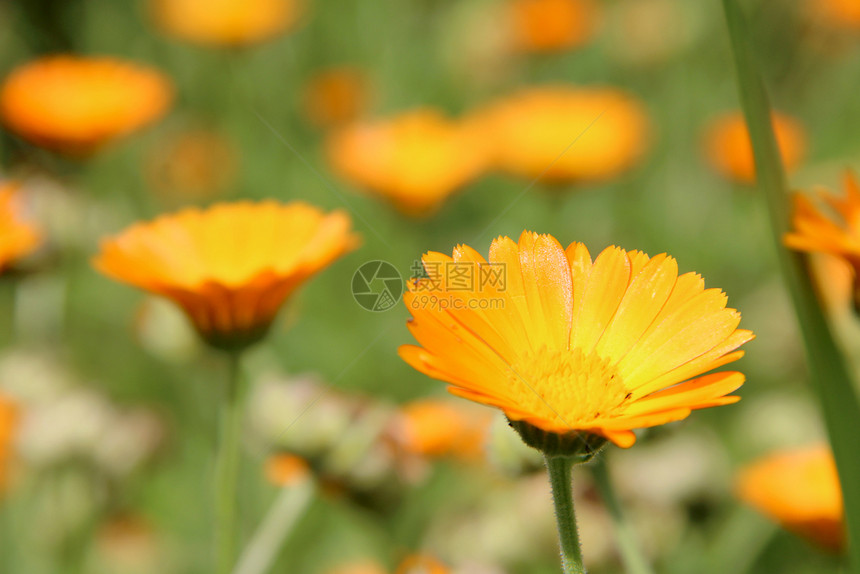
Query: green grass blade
(829,371)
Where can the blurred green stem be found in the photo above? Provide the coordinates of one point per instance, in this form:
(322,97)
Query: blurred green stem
(282,518)
(829,371)
(560,477)
(228,467)
(631,554)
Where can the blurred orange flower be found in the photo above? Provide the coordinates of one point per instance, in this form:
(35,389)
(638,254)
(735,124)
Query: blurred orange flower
(366,567)
(837,13)
(231,266)
(75,104)
(287,470)
(552,25)
(8,418)
(415,160)
(800,490)
(581,349)
(226,22)
(422,564)
(818,231)
(336,96)
(194,164)
(565,133)
(434,427)
(728,148)
(18,237)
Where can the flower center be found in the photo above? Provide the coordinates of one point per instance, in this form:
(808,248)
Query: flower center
(567,386)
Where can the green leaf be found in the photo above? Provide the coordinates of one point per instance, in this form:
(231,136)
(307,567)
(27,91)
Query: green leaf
(828,368)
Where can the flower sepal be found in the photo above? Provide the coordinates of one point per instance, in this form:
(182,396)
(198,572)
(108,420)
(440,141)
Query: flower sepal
(580,446)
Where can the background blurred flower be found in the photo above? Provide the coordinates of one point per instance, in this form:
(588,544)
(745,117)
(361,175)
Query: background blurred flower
(8,418)
(225,22)
(128,544)
(441,427)
(415,159)
(422,564)
(552,25)
(336,96)
(565,133)
(728,149)
(18,236)
(286,470)
(601,347)
(75,104)
(837,13)
(192,165)
(800,490)
(363,567)
(231,266)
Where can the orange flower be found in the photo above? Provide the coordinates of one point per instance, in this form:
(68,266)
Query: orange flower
(226,22)
(583,350)
(8,418)
(75,104)
(566,134)
(815,231)
(800,490)
(230,267)
(728,148)
(433,427)
(837,13)
(552,25)
(18,237)
(287,470)
(193,164)
(364,567)
(422,564)
(336,96)
(415,160)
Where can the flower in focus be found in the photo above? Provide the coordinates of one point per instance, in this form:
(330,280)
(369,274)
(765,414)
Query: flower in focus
(566,134)
(230,267)
(817,231)
(421,564)
(74,104)
(552,25)
(8,418)
(18,237)
(286,470)
(225,22)
(434,428)
(415,160)
(192,165)
(573,350)
(728,148)
(336,96)
(800,490)
(837,13)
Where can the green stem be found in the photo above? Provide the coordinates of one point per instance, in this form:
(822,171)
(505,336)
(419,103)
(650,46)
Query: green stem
(560,478)
(830,374)
(228,468)
(632,556)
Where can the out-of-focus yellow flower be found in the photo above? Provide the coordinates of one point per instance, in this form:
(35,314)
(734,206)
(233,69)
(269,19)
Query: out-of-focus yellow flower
(226,22)
(415,160)
(422,564)
(800,490)
(837,13)
(435,427)
(8,418)
(230,267)
(552,25)
(566,134)
(580,349)
(18,237)
(336,96)
(75,104)
(838,233)
(192,165)
(287,470)
(364,567)
(728,148)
